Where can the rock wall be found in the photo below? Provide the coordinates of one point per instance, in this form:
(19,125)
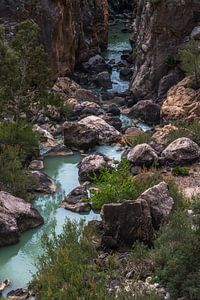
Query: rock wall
(159,31)
(71,29)
(120,5)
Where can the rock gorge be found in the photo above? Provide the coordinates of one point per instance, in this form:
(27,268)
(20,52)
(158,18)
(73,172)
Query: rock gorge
(71,30)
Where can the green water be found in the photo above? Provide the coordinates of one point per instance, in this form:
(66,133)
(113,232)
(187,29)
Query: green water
(118,42)
(18,262)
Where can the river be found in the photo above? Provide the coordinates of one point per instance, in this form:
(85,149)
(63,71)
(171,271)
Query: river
(17,262)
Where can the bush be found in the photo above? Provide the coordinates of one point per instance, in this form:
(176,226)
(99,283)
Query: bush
(66,270)
(118,185)
(21,136)
(144,137)
(180,171)
(13,178)
(177,254)
(186,129)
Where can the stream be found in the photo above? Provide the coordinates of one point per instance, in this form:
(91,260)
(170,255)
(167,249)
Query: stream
(17,262)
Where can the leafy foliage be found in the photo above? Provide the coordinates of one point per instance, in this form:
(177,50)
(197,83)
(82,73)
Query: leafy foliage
(20,136)
(180,171)
(144,137)
(118,185)
(190,61)
(177,254)
(13,178)
(66,269)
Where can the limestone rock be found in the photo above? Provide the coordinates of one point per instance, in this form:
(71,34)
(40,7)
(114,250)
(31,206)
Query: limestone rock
(142,155)
(106,133)
(147,111)
(44,184)
(181,151)
(137,220)
(75,200)
(182,102)
(91,165)
(16,216)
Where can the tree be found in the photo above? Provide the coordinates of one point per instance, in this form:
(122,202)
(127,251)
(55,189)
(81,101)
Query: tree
(24,72)
(190,61)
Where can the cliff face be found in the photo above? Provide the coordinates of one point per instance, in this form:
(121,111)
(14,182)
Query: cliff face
(71,29)
(160,30)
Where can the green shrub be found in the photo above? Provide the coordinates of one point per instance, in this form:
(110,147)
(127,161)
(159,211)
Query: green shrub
(13,178)
(66,270)
(180,171)
(186,129)
(21,136)
(118,185)
(177,254)
(144,137)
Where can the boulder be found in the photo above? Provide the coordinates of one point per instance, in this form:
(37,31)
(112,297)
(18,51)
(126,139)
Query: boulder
(147,111)
(36,165)
(195,34)
(181,151)
(46,138)
(45,184)
(80,136)
(75,200)
(16,216)
(113,121)
(106,133)
(142,155)
(92,165)
(136,220)
(103,79)
(4,284)
(181,103)
(21,294)
(87,108)
(112,109)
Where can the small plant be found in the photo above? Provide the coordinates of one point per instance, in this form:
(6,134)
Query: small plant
(118,185)
(190,62)
(180,171)
(144,137)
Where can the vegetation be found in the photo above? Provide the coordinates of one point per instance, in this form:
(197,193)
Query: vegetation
(190,129)
(118,185)
(13,177)
(144,137)
(70,256)
(190,62)
(177,254)
(180,171)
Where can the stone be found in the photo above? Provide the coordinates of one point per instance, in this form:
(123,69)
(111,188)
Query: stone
(181,151)
(80,136)
(112,109)
(92,165)
(113,121)
(147,111)
(46,138)
(130,221)
(36,165)
(195,34)
(44,183)
(142,155)
(181,103)
(76,200)
(103,79)
(87,108)
(4,284)
(106,133)
(21,294)
(16,216)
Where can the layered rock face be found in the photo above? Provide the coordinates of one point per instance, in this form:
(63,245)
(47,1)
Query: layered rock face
(71,29)
(120,5)
(159,31)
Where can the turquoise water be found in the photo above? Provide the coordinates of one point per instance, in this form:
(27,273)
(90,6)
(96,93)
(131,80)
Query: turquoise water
(18,262)
(118,42)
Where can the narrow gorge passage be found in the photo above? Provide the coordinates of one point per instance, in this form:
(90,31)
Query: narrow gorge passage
(18,261)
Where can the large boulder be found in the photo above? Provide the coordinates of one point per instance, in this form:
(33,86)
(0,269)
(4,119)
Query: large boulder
(79,135)
(147,111)
(182,102)
(44,183)
(181,151)
(103,80)
(106,133)
(92,165)
(16,216)
(142,155)
(76,200)
(136,220)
